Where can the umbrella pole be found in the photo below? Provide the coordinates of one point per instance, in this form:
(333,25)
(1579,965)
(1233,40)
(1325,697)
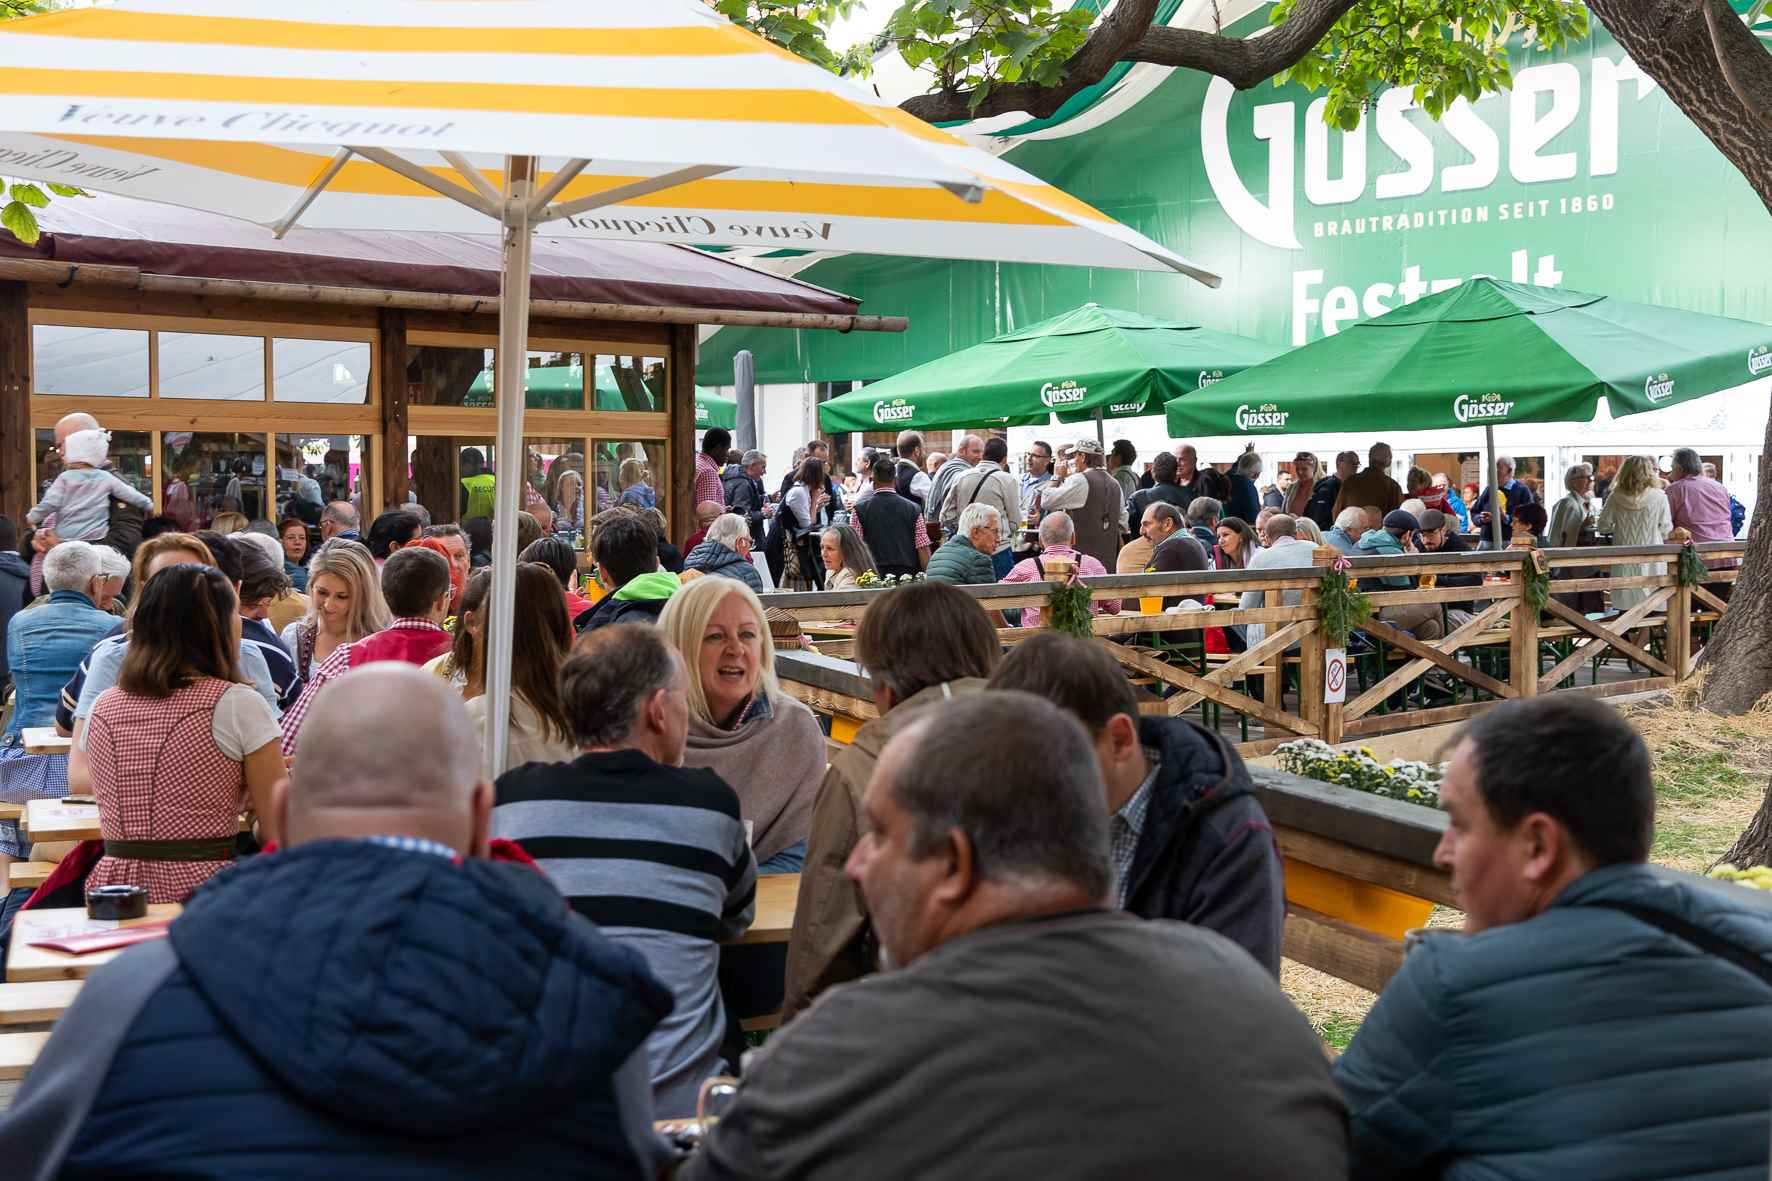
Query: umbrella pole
(1494,514)
(513,461)
(1100,436)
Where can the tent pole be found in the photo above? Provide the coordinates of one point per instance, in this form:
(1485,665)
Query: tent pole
(1494,516)
(512,457)
(1100,437)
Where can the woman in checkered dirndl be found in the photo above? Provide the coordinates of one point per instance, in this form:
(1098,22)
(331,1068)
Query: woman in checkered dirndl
(180,746)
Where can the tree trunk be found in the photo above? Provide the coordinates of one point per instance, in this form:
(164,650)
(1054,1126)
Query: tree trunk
(1672,43)
(1754,845)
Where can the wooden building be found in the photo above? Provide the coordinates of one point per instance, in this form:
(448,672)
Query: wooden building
(335,365)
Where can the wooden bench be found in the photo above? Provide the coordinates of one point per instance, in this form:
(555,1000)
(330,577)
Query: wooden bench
(21,874)
(18,1051)
(37,1001)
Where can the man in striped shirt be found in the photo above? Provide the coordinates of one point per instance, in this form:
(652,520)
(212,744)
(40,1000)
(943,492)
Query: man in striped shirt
(652,852)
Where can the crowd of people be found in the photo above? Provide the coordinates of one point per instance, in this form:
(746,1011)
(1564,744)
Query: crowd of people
(1025,914)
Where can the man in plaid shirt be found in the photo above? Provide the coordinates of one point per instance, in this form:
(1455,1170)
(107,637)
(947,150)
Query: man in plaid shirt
(708,485)
(416,584)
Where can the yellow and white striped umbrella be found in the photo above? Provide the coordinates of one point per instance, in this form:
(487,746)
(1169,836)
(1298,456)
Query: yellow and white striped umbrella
(652,120)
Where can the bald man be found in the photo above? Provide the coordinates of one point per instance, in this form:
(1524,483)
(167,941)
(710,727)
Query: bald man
(377,999)
(964,458)
(125,531)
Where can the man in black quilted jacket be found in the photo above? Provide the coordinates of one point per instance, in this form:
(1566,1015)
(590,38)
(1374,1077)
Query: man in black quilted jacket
(1190,840)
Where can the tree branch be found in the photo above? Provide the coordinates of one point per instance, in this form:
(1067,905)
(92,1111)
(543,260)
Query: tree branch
(1243,61)
(1129,21)
(1128,35)
(1746,65)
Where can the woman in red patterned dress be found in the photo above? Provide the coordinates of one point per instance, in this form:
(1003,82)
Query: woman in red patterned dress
(179,746)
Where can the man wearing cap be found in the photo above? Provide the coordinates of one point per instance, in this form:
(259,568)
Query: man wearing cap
(1093,500)
(1393,539)
(1439,535)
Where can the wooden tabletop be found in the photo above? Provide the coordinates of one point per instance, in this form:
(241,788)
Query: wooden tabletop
(58,820)
(24,962)
(776,896)
(43,740)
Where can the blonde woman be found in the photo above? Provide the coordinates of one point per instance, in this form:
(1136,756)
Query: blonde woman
(630,479)
(1636,512)
(741,725)
(344,605)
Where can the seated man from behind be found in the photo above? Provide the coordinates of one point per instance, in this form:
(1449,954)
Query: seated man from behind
(1058,537)
(1598,1017)
(378,999)
(626,552)
(654,853)
(726,551)
(1026,1028)
(415,581)
(1189,840)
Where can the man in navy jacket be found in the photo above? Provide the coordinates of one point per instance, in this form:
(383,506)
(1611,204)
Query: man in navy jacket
(379,999)
(1190,840)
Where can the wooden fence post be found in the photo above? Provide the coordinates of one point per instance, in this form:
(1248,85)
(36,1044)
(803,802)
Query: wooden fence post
(1523,646)
(1679,626)
(1329,720)
(1310,668)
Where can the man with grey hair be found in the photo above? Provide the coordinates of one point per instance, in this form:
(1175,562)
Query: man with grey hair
(651,851)
(385,994)
(46,643)
(1203,515)
(1575,511)
(1057,546)
(1350,525)
(339,519)
(990,897)
(1699,503)
(1245,480)
(746,496)
(1372,486)
(1282,549)
(725,550)
(965,558)
(988,482)
(1514,494)
(113,569)
(941,509)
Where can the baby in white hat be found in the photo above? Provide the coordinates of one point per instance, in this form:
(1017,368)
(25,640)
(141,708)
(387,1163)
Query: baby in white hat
(80,498)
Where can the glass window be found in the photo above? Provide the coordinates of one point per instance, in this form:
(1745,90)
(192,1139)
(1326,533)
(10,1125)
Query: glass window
(208,472)
(205,365)
(443,472)
(330,371)
(554,381)
(315,469)
(630,473)
(93,362)
(551,463)
(630,383)
(131,458)
(437,375)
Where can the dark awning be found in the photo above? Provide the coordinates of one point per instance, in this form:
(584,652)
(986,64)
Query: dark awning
(168,240)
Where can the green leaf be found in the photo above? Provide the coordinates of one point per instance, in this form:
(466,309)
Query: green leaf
(29,193)
(18,218)
(67,190)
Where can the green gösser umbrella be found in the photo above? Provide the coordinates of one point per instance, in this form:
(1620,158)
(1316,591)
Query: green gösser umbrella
(1089,363)
(561,387)
(1482,353)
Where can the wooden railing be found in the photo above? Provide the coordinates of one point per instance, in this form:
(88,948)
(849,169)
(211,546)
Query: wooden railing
(1502,651)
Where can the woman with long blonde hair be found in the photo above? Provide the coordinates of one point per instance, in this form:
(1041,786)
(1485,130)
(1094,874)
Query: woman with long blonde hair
(1636,512)
(344,604)
(764,743)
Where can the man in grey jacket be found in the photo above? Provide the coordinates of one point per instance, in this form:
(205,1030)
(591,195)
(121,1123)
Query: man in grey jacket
(1597,1018)
(1028,1030)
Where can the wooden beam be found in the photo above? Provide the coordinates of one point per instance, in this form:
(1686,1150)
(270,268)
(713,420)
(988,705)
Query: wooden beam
(18,1051)
(16,439)
(1228,672)
(681,369)
(1182,679)
(1341,949)
(1392,828)
(1606,637)
(391,344)
(1405,877)
(1449,646)
(36,1001)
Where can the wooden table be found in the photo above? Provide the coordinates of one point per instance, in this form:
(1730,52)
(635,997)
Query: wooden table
(43,740)
(776,896)
(24,962)
(58,820)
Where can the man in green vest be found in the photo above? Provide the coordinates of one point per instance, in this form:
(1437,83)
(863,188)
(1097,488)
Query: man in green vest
(477,484)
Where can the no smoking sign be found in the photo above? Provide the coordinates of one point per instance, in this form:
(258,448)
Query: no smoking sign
(1334,676)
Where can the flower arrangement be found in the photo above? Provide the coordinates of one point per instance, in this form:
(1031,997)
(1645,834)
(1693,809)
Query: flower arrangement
(1341,605)
(1400,779)
(869,578)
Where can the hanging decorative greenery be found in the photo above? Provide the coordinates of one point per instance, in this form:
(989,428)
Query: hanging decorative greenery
(1537,585)
(1341,605)
(1067,610)
(1692,568)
